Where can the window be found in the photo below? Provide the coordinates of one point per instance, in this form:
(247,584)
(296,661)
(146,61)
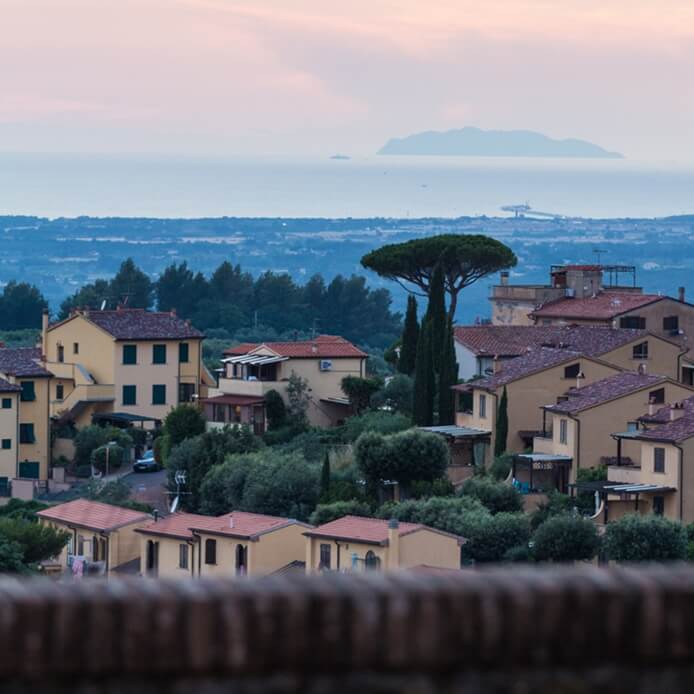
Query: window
(183,352)
(59,391)
(671,324)
(640,351)
(6,444)
(241,560)
(26,433)
(130,354)
(158,354)
(658,505)
(183,556)
(324,557)
(75,347)
(61,353)
(633,322)
(483,406)
(563,431)
(29,469)
(464,401)
(28,392)
(372,562)
(186,392)
(657,397)
(158,395)
(129,395)
(7,403)
(632,426)
(210,551)
(572,370)
(658,460)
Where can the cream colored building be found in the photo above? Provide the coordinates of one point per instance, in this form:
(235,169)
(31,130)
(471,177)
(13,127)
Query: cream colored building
(126,361)
(102,537)
(251,370)
(353,543)
(184,545)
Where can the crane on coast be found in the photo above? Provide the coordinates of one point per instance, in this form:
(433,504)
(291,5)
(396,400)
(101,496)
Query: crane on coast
(526,210)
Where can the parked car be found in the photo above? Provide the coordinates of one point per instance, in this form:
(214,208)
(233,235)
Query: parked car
(146,463)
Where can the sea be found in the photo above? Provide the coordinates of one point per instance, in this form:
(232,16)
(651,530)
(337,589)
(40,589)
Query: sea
(70,185)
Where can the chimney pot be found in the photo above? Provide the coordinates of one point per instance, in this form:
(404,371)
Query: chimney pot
(231,521)
(680,294)
(393,523)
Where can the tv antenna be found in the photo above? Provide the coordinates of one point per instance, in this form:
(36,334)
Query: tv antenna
(599,252)
(180,480)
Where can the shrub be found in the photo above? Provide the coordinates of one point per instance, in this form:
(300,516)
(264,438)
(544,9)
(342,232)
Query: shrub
(113,454)
(19,509)
(325,513)
(83,471)
(11,557)
(645,538)
(519,554)
(396,395)
(380,422)
(359,391)
(422,489)
(496,496)
(490,538)
(184,422)
(275,409)
(501,467)
(37,542)
(556,504)
(88,439)
(566,537)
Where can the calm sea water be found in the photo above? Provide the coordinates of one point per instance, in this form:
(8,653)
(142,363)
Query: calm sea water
(71,185)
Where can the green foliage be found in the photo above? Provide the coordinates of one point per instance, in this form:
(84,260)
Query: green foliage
(263,482)
(500,468)
(422,489)
(298,397)
(283,435)
(404,457)
(160,449)
(22,510)
(325,513)
(501,425)
(380,422)
(436,316)
(566,537)
(410,336)
(359,391)
(585,501)
(183,422)
(37,542)
(11,557)
(107,459)
(490,539)
(396,395)
(557,504)
(645,538)
(325,478)
(89,296)
(197,456)
(424,378)
(26,337)
(21,306)
(448,377)
(464,258)
(88,439)
(275,409)
(116,493)
(496,496)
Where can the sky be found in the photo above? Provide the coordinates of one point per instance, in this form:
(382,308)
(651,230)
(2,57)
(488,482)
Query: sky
(316,77)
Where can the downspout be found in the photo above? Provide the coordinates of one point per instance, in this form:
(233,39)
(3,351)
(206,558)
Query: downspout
(108,550)
(578,443)
(196,539)
(681,482)
(191,544)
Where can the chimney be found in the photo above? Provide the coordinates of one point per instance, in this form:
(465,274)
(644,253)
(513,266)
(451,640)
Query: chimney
(314,348)
(680,294)
(503,277)
(580,376)
(496,364)
(231,522)
(44,332)
(676,411)
(155,515)
(393,544)
(642,368)
(651,407)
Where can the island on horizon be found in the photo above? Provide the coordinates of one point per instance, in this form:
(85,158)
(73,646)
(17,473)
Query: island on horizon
(475,142)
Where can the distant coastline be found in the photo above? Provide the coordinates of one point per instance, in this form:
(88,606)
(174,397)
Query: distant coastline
(474,142)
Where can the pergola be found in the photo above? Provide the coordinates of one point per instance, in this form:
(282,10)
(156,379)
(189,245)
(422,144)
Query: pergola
(558,465)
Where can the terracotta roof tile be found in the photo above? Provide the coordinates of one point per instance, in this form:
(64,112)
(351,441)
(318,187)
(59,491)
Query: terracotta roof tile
(243,524)
(663,428)
(178,525)
(606,389)
(322,347)
(604,306)
(93,515)
(7,387)
(23,361)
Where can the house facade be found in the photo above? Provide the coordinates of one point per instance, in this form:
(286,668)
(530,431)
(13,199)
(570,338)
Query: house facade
(102,537)
(251,370)
(353,543)
(127,361)
(185,545)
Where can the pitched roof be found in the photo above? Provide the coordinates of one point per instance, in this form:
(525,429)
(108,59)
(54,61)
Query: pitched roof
(138,324)
(22,361)
(93,515)
(368,530)
(243,524)
(515,340)
(7,387)
(531,362)
(322,347)
(178,525)
(603,306)
(606,389)
(666,429)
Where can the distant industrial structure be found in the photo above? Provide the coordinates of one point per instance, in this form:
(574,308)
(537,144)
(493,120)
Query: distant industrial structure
(526,210)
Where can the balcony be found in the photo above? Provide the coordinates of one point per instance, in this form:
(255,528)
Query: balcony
(543,444)
(239,386)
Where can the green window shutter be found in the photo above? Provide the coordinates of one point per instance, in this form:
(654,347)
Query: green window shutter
(28,392)
(7,403)
(6,444)
(4,486)
(159,395)
(183,352)
(129,395)
(130,354)
(29,469)
(158,354)
(26,433)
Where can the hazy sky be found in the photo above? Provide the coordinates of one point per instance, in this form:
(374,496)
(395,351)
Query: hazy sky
(321,76)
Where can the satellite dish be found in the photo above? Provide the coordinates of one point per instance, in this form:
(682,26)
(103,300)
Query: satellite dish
(103,305)
(174,505)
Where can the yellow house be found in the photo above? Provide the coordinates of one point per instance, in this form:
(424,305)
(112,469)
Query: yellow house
(102,537)
(183,545)
(579,427)
(128,362)
(29,441)
(251,370)
(353,543)
(531,381)
(9,427)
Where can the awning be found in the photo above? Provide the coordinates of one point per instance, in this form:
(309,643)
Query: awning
(544,458)
(125,417)
(608,487)
(254,359)
(228,399)
(456,432)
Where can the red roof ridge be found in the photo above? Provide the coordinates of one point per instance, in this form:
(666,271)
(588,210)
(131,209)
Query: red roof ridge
(93,514)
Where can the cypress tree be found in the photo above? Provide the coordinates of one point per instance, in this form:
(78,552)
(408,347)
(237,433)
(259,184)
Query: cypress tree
(410,335)
(448,377)
(424,379)
(325,479)
(501,425)
(436,314)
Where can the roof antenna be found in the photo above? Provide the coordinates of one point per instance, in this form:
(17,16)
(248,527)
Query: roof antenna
(103,305)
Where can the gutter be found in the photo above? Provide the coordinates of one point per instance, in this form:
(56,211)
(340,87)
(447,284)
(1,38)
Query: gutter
(681,482)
